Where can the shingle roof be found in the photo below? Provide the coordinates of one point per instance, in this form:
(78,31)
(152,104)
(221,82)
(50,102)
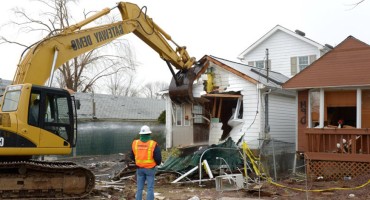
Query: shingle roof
(348,64)
(259,75)
(118,107)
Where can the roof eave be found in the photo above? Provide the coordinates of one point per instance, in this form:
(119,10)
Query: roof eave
(323,87)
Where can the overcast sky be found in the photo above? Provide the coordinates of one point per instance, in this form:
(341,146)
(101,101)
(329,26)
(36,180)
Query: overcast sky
(211,27)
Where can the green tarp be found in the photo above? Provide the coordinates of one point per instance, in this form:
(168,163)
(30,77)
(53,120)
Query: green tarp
(224,154)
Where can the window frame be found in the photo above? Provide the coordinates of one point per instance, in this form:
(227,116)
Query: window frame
(178,108)
(299,63)
(259,62)
(198,114)
(13,101)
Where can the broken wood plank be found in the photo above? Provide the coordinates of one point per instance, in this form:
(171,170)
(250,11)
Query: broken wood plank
(219,109)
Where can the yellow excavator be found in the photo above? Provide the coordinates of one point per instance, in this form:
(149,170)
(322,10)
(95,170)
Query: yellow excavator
(37,120)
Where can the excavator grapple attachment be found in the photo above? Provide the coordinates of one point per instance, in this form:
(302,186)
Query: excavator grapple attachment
(181,87)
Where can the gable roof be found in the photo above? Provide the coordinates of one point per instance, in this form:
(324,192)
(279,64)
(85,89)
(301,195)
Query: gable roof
(348,64)
(274,30)
(119,107)
(252,74)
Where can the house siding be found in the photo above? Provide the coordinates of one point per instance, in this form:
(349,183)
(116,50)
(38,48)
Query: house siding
(282,47)
(182,136)
(251,125)
(282,117)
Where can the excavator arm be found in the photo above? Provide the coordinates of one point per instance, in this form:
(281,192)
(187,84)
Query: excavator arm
(39,120)
(50,53)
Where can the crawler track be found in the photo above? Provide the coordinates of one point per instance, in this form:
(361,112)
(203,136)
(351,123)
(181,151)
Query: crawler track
(44,180)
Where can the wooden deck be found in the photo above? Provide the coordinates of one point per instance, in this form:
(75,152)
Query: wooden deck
(335,153)
(333,144)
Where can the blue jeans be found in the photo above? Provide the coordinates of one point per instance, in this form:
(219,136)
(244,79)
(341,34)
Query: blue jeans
(143,174)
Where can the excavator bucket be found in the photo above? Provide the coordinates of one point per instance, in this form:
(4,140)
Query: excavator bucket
(181,87)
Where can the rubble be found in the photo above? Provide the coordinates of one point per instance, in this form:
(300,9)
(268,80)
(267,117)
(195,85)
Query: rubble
(115,179)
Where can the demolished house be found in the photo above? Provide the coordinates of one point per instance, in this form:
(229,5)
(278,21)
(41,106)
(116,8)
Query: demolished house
(246,101)
(234,101)
(334,112)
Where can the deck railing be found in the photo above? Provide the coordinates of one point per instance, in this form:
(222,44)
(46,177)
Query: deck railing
(338,144)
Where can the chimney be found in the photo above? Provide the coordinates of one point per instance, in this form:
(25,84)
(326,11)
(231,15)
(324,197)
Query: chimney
(329,46)
(301,33)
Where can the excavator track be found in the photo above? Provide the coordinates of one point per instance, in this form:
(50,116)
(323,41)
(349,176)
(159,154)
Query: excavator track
(35,179)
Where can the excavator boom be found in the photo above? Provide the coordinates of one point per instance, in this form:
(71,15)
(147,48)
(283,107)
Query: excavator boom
(50,53)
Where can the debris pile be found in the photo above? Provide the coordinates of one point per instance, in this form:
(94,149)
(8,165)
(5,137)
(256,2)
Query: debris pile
(186,175)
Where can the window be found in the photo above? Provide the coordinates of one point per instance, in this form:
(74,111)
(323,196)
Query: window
(260,64)
(198,114)
(57,115)
(11,100)
(178,110)
(34,111)
(302,62)
(346,115)
(297,64)
(340,106)
(315,108)
(183,114)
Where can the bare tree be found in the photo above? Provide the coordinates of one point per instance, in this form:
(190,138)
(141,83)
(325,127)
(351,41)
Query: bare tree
(123,84)
(354,5)
(151,89)
(83,72)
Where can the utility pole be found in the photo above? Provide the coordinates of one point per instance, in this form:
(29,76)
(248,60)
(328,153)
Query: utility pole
(267,65)
(267,126)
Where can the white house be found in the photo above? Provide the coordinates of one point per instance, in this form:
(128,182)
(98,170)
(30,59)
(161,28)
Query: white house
(288,52)
(232,103)
(244,87)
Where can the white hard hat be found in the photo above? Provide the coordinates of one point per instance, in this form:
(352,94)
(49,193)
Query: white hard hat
(145,130)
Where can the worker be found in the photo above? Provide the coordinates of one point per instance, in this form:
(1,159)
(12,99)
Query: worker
(34,112)
(147,155)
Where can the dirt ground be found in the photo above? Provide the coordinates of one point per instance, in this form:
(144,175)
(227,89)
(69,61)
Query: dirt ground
(107,167)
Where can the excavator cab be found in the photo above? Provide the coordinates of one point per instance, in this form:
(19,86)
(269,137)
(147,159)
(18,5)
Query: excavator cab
(54,113)
(47,120)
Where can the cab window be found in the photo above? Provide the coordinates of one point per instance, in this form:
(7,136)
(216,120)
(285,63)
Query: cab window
(11,100)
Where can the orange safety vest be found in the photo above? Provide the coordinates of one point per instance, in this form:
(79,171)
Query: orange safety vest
(143,152)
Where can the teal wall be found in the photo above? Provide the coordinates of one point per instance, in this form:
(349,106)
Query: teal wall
(104,138)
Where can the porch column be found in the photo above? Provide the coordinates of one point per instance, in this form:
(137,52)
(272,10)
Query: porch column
(322,110)
(358,108)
